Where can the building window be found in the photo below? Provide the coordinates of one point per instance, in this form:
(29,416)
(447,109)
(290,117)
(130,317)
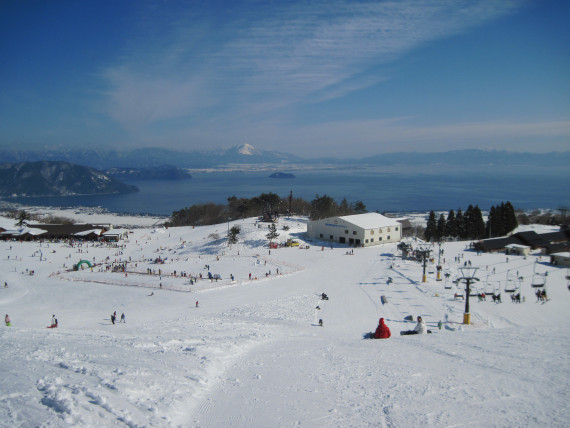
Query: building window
(371,239)
(388,229)
(354,232)
(331,237)
(321,235)
(396,229)
(366,241)
(388,237)
(346,231)
(380,238)
(372,232)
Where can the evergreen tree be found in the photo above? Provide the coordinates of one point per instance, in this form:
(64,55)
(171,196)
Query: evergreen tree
(441,228)
(510,218)
(272,235)
(323,207)
(344,207)
(232,235)
(451,225)
(468,223)
(502,225)
(359,207)
(431,227)
(22,218)
(478,224)
(460,224)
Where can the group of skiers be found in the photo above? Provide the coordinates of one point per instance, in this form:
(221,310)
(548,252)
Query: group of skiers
(54,322)
(114,317)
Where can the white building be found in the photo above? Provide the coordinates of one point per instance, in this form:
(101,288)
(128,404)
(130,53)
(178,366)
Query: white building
(361,230)
(561,259)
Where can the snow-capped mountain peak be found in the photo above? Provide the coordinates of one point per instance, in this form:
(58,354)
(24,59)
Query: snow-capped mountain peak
(246,149)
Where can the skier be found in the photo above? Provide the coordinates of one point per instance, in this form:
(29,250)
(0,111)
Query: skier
(382,331)
(8,320)
(123,318)
(196,303)
(420,328)
(113,318)
(53,322)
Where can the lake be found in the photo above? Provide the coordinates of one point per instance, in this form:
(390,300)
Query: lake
(393,189)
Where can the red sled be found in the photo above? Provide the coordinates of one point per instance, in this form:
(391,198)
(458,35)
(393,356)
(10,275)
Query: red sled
(52,326)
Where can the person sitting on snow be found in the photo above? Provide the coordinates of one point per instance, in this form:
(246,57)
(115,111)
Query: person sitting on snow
(8,320)
(420,328)
(382,331)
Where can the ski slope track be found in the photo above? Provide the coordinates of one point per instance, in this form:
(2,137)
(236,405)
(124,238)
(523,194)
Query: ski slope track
(250,352)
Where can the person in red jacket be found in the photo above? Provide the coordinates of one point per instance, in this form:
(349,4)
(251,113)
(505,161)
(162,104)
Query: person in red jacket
(382,331)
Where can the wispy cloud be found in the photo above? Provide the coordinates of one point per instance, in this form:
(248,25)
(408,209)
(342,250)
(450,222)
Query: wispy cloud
(261,58)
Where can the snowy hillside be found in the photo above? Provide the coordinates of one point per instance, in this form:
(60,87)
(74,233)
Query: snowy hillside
(249,352)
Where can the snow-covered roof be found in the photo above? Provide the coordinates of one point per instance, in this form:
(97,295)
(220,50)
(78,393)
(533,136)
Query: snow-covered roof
(516,246)
(370,220)
(23,231)
(89,232)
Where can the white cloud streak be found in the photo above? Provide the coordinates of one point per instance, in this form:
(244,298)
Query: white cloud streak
(266,58)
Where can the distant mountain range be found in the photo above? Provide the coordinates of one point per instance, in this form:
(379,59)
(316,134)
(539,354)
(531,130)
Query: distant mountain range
(248,155)
(51,178)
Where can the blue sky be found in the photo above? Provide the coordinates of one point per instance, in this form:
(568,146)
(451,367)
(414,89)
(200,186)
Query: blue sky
(314,78)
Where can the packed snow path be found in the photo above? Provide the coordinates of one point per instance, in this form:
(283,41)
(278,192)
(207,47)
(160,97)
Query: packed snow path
(252,353)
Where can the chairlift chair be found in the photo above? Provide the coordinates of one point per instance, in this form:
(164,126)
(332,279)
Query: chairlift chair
(490,288)
(447,276)
(510,285)
(538,280)
(498,288)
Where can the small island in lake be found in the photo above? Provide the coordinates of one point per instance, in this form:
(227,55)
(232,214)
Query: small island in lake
(281,175)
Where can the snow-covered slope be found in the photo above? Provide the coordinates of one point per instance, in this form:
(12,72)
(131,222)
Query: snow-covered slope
(252,353)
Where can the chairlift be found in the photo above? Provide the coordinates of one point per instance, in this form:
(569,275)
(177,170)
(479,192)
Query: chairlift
(538,279)
(510,285)
(490,288)
(447,285)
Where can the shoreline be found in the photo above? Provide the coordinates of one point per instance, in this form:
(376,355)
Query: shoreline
(82,214)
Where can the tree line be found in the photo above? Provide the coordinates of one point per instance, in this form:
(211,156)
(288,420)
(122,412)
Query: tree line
(263,205)
(471,225)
